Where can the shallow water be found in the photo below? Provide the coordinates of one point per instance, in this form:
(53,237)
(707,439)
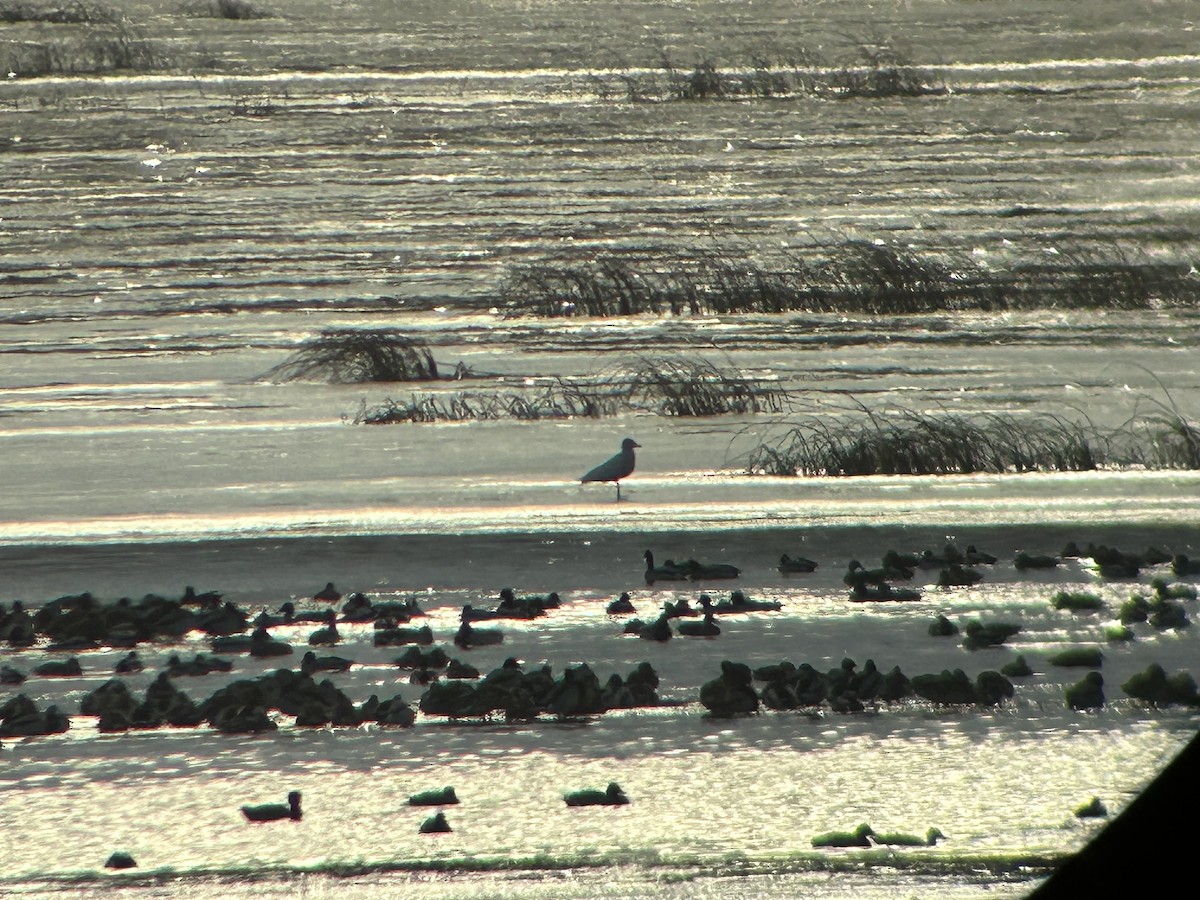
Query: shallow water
(163,249)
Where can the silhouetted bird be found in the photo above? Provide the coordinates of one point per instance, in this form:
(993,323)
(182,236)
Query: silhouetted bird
(615,468)
(328,593)
(270,812)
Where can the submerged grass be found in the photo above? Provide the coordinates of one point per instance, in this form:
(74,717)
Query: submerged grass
(355,355)
(869,68)
(897,441)
(74,39)
(855,276)
(663,385)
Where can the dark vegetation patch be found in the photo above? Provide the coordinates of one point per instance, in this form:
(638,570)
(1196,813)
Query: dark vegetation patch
(868,68)
(855,276)
(898,441)
(74,12)
(227,9)
(73,38)
(662,385)
(355,355)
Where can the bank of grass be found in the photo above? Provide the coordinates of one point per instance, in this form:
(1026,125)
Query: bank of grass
(357,355)
(665,385)
(73,38)
(72,12)
(855,276)
(226,9)
(898,441)
(862,68)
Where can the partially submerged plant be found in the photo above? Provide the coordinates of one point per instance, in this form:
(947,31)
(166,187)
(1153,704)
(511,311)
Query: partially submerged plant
(897,441)
(689,386)
(354,355)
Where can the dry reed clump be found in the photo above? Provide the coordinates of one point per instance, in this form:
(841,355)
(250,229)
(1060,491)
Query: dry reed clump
(855,276)
(908,442)
(354,355)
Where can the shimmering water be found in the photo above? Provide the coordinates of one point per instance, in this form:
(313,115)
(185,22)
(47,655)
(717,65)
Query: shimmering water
(161,250)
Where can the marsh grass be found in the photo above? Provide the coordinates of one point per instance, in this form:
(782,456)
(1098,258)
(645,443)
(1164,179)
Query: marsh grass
(690,386)
(868,69)
(560,400)
(897,441)
(879,69)
(662,385)
(853,276)
(227,9)
(355,355)
(74,39)
(74,12)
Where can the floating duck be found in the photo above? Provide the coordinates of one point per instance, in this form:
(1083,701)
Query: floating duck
(789,565)
(610,796)
(859,837)
(329,593)
(271,812)
(932,836)
(444,796)
(706,627)
(435,824)
(666,572)
(621,606)
(1025,560)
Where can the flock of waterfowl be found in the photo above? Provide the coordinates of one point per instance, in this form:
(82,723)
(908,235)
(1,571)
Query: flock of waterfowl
(455,689)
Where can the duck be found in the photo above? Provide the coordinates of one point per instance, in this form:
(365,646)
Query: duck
(327,636)
(656,630)
(271,812)
(262,644)
(1086,694)
(859,837)
(789,565)
(932,836)
(858,574)
(610,796)
(435,824)
(957,575)
(1093,809)
(621,606)
(739,602)
(862,593)
(206,598)
(444,796)
(1181,565)
(706,627)
(616,467)
(329,593)
(1025,560)
(129,664)
(467,637)
(310,663)
(698,571)
(666,572)
(974,557)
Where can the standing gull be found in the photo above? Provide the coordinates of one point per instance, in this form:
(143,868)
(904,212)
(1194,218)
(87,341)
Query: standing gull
(616,468)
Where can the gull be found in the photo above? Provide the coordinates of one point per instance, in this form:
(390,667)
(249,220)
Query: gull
(615,468)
